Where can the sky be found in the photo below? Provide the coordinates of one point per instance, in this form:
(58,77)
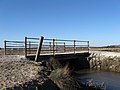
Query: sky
(95,20)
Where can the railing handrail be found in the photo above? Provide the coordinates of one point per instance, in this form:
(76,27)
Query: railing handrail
(58,39)
(15,41)
(53,45)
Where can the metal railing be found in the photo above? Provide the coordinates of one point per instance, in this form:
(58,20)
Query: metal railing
(55,46)
(49,46)
(14,47)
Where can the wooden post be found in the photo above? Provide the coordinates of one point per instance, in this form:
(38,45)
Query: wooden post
(54,47)
(5,47)
(55,44)
(50,46)
(64,47)
(39,48)
(29,47)
(25,46)
(88,46)
(74,46)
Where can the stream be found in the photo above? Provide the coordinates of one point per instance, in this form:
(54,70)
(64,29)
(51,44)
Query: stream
(111,79)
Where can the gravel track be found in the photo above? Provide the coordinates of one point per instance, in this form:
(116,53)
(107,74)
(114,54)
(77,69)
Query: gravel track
(17,71)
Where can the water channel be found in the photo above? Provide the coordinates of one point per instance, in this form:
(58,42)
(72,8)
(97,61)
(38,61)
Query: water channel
(111,79)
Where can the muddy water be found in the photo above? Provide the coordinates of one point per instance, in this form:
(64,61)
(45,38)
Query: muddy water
(111,79)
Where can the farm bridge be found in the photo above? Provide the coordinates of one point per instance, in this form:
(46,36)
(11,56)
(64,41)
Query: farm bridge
(42,49)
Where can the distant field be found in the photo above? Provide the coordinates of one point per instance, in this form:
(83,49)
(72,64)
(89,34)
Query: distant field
(21,51)
(110,49)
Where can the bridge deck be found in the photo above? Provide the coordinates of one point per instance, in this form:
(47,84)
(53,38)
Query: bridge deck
(65,53)
(60,56)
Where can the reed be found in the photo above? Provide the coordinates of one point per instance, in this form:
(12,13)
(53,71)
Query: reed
(62,78)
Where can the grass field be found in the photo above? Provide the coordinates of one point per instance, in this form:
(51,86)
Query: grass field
(17,51)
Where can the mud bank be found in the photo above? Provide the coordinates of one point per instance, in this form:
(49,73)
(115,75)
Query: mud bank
(109,61)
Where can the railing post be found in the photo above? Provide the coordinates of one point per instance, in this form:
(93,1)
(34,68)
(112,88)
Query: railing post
(50,46)
(88,46)
(29,47)
(25,46)
(64,47)
(74,46)
(5,47)
(54,47)
(39,48)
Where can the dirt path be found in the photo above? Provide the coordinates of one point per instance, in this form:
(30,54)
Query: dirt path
(17,71)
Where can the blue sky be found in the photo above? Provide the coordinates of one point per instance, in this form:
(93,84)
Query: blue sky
(95,20)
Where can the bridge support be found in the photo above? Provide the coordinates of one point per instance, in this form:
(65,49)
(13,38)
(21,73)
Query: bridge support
(5,47)
(39,48)
(25,46)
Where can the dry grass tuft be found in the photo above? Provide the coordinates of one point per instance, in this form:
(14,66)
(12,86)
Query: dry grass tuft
(62,78)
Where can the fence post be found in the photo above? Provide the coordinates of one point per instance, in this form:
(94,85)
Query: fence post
(64,47)
(39,48)
(50,46)
(29,47)
(25,46)
(54,47)
(5,47)
(88,46)
(74,46)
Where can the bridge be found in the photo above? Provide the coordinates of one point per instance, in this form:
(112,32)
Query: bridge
(42,48)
